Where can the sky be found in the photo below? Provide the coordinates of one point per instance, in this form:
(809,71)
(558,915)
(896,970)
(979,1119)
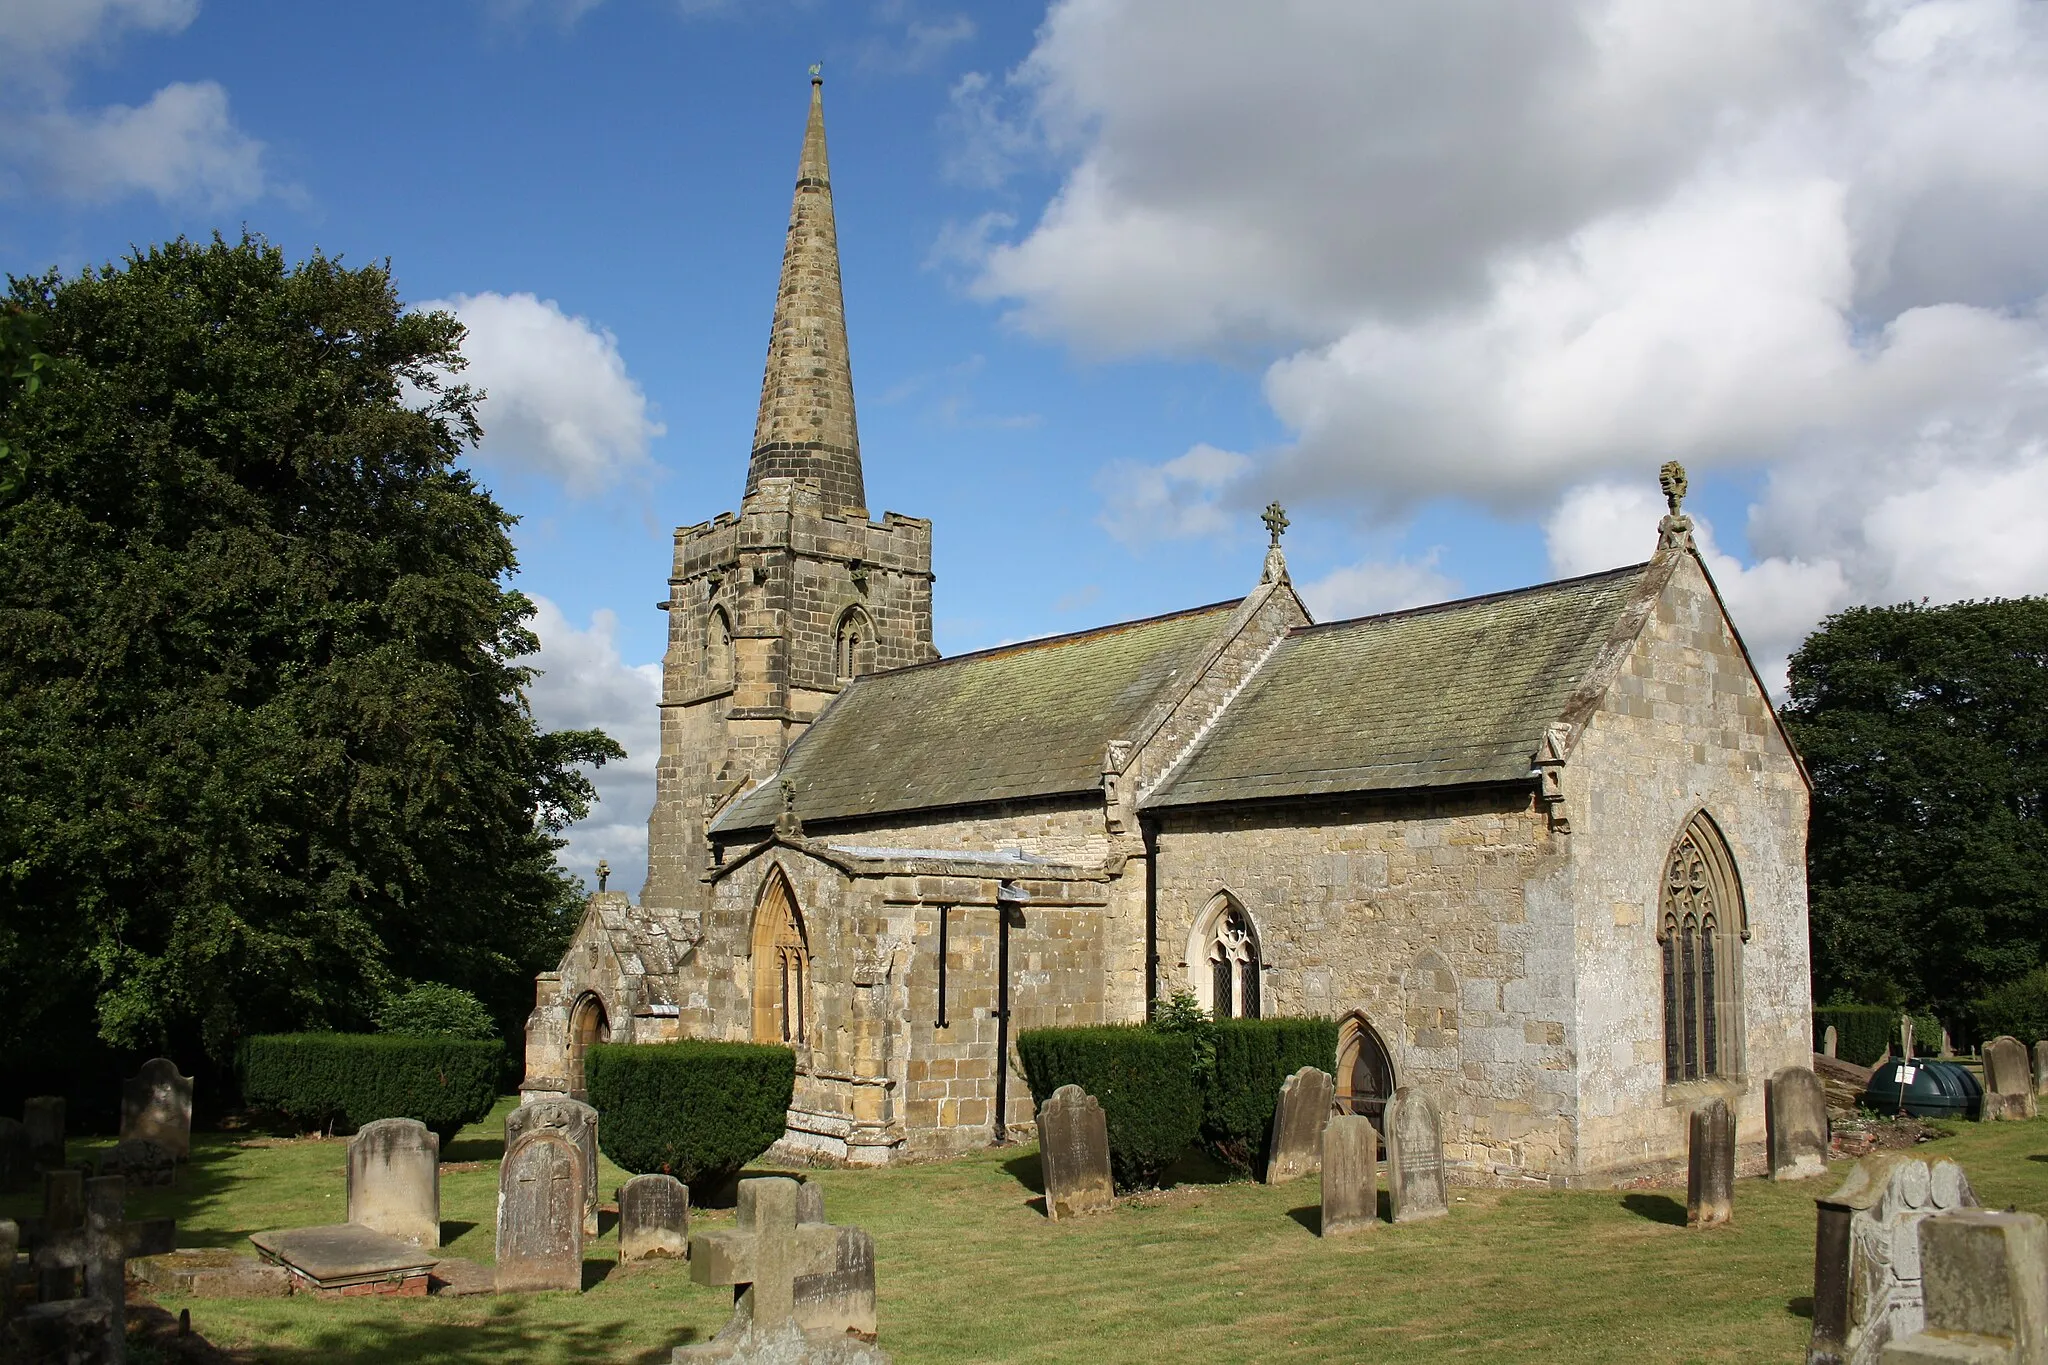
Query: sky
(1450,280)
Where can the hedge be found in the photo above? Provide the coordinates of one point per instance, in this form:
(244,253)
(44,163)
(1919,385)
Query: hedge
(698,1111)
(1863,1032)
(345,1080)
(2018,1008)
(1144,1080)
(1253,1058)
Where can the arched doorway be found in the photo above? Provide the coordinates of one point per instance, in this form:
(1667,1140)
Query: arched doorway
(587,1024)
(782,966)
(1365,1072)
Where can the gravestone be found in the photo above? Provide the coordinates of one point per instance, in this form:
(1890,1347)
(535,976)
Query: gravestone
(140,1162)
(156,1106)
(86,1258)
(1827,1042)
(768,1257)
(1796,1124)
(1073,1154)
(1415,1158)
(2040,1069)
(394,1181)
(1866,1253)
(2008,1080)
(10,1246)
(839,1297)
(15,1165)
(1296,1144)
(654,1218)
(540,1214)
(43,1117)
(1351,1176)
(1984,1279)
(573,1120)
(1948,1047)
(1710,1166)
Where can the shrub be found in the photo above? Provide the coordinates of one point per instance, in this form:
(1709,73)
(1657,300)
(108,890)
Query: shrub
(432,1010)
(1253,1058)
(345,1080)
(694,1110)
(2019,1008)
(1862,1032)
(1143,1078)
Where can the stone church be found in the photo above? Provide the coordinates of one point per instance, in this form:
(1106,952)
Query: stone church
(1541,852)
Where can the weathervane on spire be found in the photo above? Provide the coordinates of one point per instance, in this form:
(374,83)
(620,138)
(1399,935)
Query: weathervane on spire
(817,73)
(1675,531)
(1276,520)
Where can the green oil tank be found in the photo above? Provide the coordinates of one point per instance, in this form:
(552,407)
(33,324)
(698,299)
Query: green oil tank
(1925,1089)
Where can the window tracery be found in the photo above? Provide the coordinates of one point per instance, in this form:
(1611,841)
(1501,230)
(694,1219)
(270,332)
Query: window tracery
(1700,927)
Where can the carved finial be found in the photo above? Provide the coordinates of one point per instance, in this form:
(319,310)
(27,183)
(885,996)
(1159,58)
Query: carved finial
(1675,531)
(1276,520)
(1671,478)
(604,872)
(787,825)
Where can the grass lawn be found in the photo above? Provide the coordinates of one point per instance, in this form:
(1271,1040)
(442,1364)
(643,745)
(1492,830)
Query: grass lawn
(970,1270)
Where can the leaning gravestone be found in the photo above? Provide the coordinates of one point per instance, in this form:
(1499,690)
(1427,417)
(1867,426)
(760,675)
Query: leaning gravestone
(572,1120)
(1866,1255)
(2040,1069)
(43,1117)
(1984,1278)
(1710,1166)
(156,1106)
(1415,1158)
(654,1218)
(1796,1124)
(2008,1080)
(394,1181)
(1073,1154)
(540,1214)
(1351,1181)
(1296,1144)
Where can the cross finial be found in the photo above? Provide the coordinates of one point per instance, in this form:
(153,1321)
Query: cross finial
(604,871)
(1276,520)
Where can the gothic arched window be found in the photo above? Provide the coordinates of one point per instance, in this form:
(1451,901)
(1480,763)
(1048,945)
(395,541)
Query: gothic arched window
(718,647)
(854,645)
(782,966)
(1223,961)
(1701,925)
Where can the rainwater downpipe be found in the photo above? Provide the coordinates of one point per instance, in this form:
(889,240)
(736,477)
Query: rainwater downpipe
(1010,900)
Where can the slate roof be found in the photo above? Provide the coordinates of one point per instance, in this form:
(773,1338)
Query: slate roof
(1022,721)
(1436,696)
(651,942)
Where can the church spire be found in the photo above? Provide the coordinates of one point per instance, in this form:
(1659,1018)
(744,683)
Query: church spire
(806,427)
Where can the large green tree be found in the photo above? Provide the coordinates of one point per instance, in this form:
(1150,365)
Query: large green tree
(1926,730)
(263,744)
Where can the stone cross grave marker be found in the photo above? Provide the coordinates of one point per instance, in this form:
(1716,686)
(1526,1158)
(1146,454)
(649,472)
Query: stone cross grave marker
(1073,1154)
(1415,1158)
(2041,1069)
(815,1275)
(2008,1080)
(156,1106)
(1351,1175)
(43,1117)
(654,1218)
(1710,1165)
(1984,1278)
(95,1248)
(1796,1124)
(573,1120)
(1296,1144)
(394,1181)
(1827,1042)
(540,1214)
(1866,1253)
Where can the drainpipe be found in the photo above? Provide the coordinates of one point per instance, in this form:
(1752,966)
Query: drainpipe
(1010,900)
(1149,832)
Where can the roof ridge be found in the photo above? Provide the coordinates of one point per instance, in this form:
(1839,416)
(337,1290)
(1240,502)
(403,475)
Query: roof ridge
(1042,641)
(1427,608)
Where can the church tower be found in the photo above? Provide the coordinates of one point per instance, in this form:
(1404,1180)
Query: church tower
(772,610)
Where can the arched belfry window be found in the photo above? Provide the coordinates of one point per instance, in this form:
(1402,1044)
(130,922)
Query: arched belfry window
(1701,926)
(1223,961)
(854,645)
(718,665)
(782,966)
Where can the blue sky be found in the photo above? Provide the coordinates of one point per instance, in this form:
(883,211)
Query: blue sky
(1450,280)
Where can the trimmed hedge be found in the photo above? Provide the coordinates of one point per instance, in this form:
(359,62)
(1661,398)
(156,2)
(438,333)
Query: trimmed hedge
(1144,1080)
(345,1080)
(1862,1032)
(2018,1008)
(693,1109)
(1253,1058)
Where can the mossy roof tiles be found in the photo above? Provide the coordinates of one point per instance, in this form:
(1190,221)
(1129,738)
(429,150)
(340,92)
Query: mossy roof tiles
(1026,720)
(1438,696)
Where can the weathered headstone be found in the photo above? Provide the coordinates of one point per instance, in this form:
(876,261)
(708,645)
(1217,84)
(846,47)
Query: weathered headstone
(1866,1253)
(15,1165)
(43,1117)
(1796,1124)
(2041,1069)
(1710,1165)
(838,1297)
(1827,1042)
(1073,1154)
(1296,1145)
(768,1256)
(654,1218)
(1984,1279)
(1351,1178)
(570,1119)
(1948,1046)
(394,1180)
(156,1106)
(1415,1158)
(2008,1080)
(540,1214)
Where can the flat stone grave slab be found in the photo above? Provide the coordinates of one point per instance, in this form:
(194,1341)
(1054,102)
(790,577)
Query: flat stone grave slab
(212,1273)
(343,1259)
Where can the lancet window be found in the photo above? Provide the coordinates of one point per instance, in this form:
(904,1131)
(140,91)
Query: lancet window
(1702,924)
(782,967)
(854,645)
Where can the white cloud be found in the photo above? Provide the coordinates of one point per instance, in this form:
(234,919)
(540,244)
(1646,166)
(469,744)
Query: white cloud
(1374,586)
(37,37)
(1521,256)
(584,684)
(1183,497)
(558,398)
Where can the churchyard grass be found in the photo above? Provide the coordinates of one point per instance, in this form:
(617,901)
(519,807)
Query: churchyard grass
(970,1269)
